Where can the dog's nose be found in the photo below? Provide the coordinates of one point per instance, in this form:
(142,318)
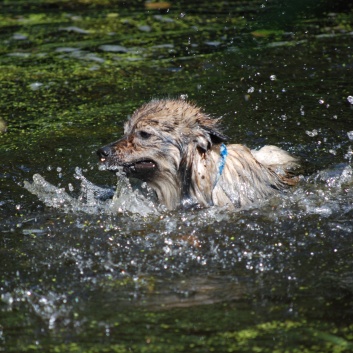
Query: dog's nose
(103,153)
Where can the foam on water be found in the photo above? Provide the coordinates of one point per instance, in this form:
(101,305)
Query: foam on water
(93,199)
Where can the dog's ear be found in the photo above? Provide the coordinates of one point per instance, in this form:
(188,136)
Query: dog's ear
(210,137)
(215,135)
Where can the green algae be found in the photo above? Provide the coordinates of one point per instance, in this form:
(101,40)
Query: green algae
(201,329)
(62,94)
(46,76)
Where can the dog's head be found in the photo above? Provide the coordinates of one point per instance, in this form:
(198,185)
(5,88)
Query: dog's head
(158,138)
(160,143)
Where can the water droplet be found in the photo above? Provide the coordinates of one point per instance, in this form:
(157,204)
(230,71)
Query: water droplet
(350,135)
(273,77)
(350,99)
(311,133)
(251,90)
(321,101)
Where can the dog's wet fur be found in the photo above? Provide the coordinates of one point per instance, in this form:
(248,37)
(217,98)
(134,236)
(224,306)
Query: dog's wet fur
(179,151)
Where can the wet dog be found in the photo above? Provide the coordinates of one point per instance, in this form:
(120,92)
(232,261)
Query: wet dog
(180,152)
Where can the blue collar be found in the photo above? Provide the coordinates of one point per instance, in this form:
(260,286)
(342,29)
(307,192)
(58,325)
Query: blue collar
(224,153)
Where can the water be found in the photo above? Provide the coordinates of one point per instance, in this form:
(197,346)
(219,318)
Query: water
(93,199)
(91,262)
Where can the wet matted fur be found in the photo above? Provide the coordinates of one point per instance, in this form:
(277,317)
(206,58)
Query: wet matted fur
(180,152)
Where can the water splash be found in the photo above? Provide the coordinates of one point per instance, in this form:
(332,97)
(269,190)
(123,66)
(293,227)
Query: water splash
(319,193)
(93,199)
(325,193)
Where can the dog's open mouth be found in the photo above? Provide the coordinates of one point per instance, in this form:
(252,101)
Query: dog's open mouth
(147,165)
(141,169)
(138,168)
(143,165)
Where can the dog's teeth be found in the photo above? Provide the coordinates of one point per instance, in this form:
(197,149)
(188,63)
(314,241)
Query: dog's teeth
(102,160)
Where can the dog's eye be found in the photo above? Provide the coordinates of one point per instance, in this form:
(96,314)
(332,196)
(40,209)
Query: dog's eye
(145,135)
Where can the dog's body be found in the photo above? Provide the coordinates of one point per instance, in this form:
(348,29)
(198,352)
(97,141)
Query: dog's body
(178,150)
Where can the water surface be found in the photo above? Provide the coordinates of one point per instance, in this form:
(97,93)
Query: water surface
(81,274)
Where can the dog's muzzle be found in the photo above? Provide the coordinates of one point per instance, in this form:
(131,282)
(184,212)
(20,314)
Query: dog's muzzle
(103,153)
(141,169)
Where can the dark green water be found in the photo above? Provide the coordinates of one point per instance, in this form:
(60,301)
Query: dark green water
(76,277)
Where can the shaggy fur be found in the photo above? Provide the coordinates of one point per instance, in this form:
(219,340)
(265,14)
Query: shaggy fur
(178,150)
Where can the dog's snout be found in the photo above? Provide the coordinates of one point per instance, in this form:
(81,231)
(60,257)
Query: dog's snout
(104,152)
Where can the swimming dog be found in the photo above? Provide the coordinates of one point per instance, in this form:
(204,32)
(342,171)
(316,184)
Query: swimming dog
(180,152)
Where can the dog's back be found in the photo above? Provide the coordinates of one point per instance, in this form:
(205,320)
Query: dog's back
(276,159)
(252,176)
